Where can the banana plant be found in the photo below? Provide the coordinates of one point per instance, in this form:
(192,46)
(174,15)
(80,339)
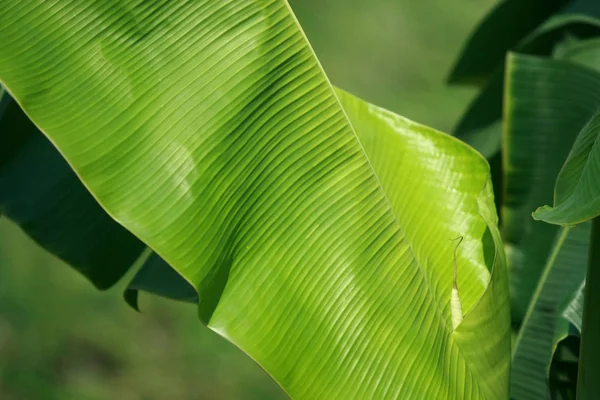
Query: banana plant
(315,230)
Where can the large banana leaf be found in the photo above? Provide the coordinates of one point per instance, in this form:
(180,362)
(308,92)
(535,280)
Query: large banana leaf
(209,130)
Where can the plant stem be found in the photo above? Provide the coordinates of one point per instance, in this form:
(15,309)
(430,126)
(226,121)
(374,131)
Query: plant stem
(588,382)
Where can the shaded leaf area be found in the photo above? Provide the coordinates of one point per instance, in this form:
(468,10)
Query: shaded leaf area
(481,127)
(563,370)
(583,7)
(42,194)
(544,325)
(217,139)
(547,103)
(155,276)
(577,193)
(574,310)
(493,39)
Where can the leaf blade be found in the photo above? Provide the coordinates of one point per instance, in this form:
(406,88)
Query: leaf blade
(228,153)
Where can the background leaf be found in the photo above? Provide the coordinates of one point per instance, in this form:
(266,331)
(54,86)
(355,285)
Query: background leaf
(493,39)
(537,142)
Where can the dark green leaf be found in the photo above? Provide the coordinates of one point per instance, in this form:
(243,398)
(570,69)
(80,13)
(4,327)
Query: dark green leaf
(502,30)
(157,277)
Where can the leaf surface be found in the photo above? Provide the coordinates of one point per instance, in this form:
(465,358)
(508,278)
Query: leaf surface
(209,130)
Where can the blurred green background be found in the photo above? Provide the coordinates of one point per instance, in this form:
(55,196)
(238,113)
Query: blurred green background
(61,339)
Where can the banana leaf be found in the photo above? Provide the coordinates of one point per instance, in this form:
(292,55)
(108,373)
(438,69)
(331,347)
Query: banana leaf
(210,131)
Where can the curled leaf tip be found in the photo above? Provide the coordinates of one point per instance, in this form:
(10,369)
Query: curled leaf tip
(541,213)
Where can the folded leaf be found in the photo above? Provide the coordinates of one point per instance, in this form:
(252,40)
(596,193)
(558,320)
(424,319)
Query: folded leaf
(577,194)
(209,130)
(157,277)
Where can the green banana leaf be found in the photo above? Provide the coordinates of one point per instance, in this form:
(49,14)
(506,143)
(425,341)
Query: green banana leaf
(537,142)
(209,130)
